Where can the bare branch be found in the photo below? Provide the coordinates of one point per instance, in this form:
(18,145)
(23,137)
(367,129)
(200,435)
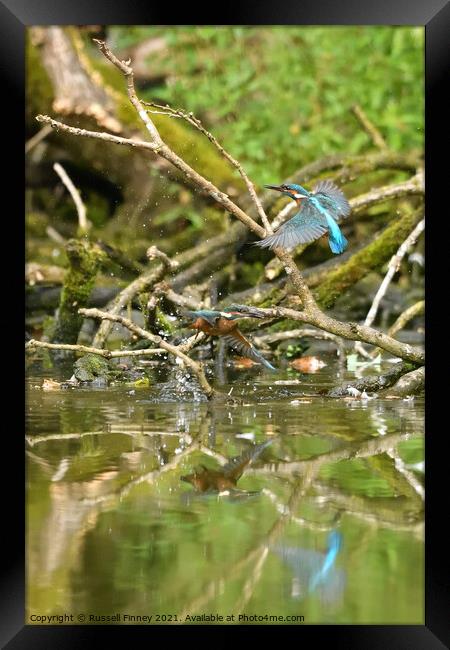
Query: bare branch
(37,137)
(55,236)
(107,354)
(415,310)
(154,253)
(74,193)
(414,185)
(100,135)
(394,265)
(194,121)
(351,331)
(127,71)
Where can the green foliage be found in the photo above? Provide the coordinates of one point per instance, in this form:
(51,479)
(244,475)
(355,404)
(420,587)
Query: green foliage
(283,94)
(296,351)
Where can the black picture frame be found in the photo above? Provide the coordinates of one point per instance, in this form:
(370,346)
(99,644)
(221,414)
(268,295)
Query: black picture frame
(434,15)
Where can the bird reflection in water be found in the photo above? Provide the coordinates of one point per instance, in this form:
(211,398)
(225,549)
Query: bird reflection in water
(314,571)
(223,481)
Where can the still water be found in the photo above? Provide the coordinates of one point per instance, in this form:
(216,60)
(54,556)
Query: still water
(325,525)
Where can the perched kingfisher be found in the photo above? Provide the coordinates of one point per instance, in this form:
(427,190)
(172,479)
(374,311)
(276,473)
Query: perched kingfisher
(224,479)
(317,214)
(223,323)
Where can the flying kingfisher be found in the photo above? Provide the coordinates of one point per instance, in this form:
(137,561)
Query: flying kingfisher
(223,323)
(317,214)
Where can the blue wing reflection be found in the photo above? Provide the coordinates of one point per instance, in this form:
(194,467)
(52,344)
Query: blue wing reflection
(315,571)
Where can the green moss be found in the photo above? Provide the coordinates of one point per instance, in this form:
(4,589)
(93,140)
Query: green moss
(84,262)
(91,366)
(163,322)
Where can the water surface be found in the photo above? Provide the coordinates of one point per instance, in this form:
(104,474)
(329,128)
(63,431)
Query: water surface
(326,524)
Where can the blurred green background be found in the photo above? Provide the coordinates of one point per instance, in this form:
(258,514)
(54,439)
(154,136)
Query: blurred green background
(280,96)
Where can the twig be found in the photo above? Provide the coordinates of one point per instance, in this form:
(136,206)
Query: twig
(194,121)
(107,354)
(37,137)
(99,135)
(164,289)
(154,253)
(55,236)
(127,71)
(157,340)
(369,128)
(151,277)
(165,152)
(125,297)
(74,193)
(415,310)
(392,270)
(414,185)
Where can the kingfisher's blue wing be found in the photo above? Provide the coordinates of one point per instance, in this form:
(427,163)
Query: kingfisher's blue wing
(307,225)
(332,198)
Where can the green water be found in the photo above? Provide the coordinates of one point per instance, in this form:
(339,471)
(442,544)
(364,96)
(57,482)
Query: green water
(112,530)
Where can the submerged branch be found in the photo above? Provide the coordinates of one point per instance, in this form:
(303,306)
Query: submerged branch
(410,384)
(371,384)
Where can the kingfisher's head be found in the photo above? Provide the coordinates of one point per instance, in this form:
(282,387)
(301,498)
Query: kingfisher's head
(294,191)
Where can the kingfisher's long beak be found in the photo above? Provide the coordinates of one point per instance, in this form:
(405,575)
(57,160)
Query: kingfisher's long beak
(277,188)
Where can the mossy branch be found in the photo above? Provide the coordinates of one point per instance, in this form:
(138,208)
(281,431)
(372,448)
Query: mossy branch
(370,258)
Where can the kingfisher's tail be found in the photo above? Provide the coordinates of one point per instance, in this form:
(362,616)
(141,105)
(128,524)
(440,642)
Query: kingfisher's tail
(264,362)
(338,245)
(336,239)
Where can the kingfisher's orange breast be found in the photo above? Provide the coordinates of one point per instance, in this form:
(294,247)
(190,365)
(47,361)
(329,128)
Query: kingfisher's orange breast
(222,326)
